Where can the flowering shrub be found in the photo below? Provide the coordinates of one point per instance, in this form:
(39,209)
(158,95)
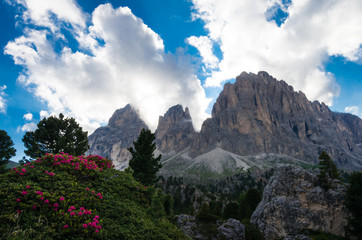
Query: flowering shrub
(60,196)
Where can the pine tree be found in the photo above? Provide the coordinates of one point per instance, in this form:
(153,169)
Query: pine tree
(55,135)
(328,170)
(143,163)
(6,149)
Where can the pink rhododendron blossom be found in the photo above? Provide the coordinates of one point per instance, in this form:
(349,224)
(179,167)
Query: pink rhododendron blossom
(82,208)
(65,226)
(23,170)
(85,225)
(97,231)
(24,192)
(80,214)
(46,201)
(61,199)
(18,211)
(18,200)
(87,189)
(28,186)
(56,205)
(34,207)
(21,174)
(72,214)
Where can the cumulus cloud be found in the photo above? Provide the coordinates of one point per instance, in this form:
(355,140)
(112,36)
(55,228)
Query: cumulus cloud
(2,99)
(121,61)
(28,116)
(205,46)
(43,114)
(27,127)
(353,110)
(295,51)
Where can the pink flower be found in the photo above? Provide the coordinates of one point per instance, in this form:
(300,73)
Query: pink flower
(80,214)
(18,200)
(32,166)
(21,174)
(72,214)
(23,170)
(34,207)
(65,226)
(61,199)
(97,231)
(93,191)
(82,208)
(46,201)
(145,187)
(24,192)
(42,198)
(72,207)
(46,172)
(55,209)
(96,217)
(28,186)
(87,189)
(18,211)
(85,225)
(56,205)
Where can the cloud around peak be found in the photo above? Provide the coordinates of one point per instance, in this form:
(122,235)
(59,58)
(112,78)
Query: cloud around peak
(119,60)
(294,49)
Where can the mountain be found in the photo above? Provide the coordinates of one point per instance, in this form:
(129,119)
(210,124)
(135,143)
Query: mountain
(113,140)
(257,121)
(258,114)
(175,130)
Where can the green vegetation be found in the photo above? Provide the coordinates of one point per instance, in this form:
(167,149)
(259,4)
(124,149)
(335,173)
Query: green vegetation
(143,163)
(328,170)
(354,204)
(6,149)
(65,197)
(55,135)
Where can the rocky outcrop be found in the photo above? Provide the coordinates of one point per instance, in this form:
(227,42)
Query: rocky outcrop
(113,140)
(293,202)
(175,130)
(232,229)
(258,114)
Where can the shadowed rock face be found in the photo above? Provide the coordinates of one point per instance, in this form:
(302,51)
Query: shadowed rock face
(258,114)
(175,130)
(113,140)
(293,202)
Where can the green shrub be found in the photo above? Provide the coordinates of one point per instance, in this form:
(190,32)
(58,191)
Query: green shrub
(65,197)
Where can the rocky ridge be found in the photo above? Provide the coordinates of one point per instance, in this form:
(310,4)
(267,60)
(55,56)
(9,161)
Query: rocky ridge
(256,122)
(258,114)
(113,140)
(292,202)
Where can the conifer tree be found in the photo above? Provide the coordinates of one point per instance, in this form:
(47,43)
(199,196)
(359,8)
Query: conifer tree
(6,149)
(55,135)
(328,170)
(143,163)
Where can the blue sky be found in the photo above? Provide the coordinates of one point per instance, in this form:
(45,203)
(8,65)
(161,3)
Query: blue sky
(87,58)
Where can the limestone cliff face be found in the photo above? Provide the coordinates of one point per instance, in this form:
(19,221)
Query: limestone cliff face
(292,202)
(113,140)
(258,114)
(175,130)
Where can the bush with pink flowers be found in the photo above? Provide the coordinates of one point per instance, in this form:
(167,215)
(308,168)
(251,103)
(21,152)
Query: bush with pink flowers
(60,196)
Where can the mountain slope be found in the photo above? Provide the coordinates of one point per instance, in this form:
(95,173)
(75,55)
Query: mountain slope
(113,140)
(258,114)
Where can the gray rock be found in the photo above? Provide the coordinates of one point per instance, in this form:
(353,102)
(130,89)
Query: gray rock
(258,114)
(113,140)
(175,130)
(293,202)
(232,229)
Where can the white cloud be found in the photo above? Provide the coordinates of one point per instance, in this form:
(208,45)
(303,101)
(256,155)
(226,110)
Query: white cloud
(353,110)
(295,51)
(128,66)
(28,116)
(2,99)
(27,127)
(43,114)
(205,46)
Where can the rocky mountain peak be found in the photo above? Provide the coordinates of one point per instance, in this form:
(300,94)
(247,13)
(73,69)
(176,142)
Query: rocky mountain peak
(113,140)
(124,116)
(259,114)
(175,129)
